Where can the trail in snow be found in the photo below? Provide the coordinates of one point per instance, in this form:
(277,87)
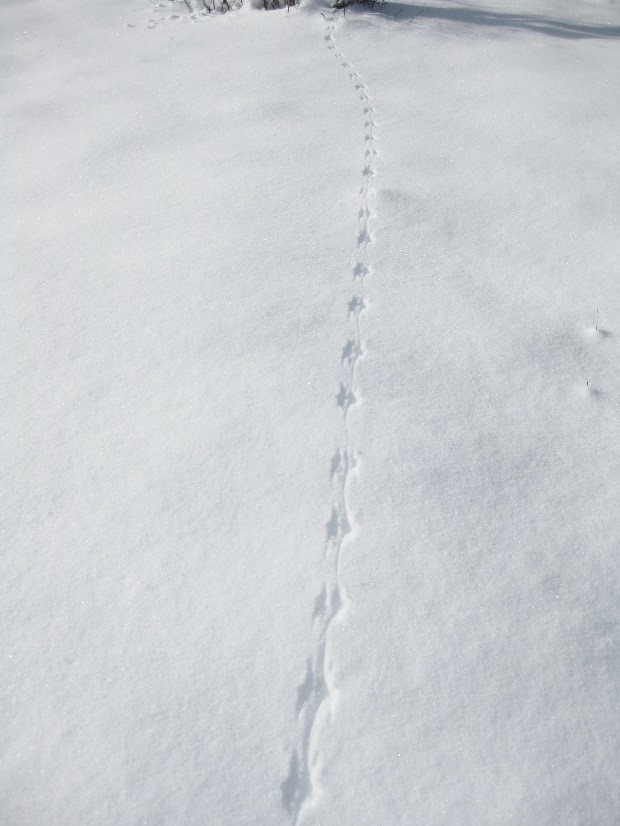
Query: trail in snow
(317,693)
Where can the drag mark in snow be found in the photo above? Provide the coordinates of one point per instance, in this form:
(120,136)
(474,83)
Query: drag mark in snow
(316,695)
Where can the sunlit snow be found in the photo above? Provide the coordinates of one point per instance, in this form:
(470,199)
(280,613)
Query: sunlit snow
(310,413)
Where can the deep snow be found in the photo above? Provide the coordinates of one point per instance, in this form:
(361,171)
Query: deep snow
(311,414)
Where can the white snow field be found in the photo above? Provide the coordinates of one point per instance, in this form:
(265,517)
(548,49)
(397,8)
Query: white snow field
(310,421)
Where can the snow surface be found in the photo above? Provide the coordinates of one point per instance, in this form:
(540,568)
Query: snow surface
(310,414)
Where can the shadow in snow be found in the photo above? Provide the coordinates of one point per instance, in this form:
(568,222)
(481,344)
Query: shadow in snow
(336,601)
(320,604)
(333,526)
(336,465)
(294,788)
(476,16)
(305,689)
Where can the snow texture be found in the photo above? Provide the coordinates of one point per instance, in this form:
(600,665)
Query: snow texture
(310,413)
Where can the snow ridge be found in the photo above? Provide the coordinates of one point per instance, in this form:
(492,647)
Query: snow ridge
(317,694)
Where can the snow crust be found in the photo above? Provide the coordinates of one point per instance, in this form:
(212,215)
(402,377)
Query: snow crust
(280,289)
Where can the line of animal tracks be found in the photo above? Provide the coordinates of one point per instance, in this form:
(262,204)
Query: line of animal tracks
(317,694)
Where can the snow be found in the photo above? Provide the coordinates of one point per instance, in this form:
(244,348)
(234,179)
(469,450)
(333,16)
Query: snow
(310,420)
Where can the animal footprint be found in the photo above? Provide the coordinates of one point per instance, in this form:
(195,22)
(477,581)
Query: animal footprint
(345,398)
(350,352)
(356,305)
(363,238)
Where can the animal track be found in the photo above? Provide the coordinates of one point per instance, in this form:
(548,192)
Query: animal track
(345,397)
(363,238)
(316,688)
(356,304)
(351,351)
